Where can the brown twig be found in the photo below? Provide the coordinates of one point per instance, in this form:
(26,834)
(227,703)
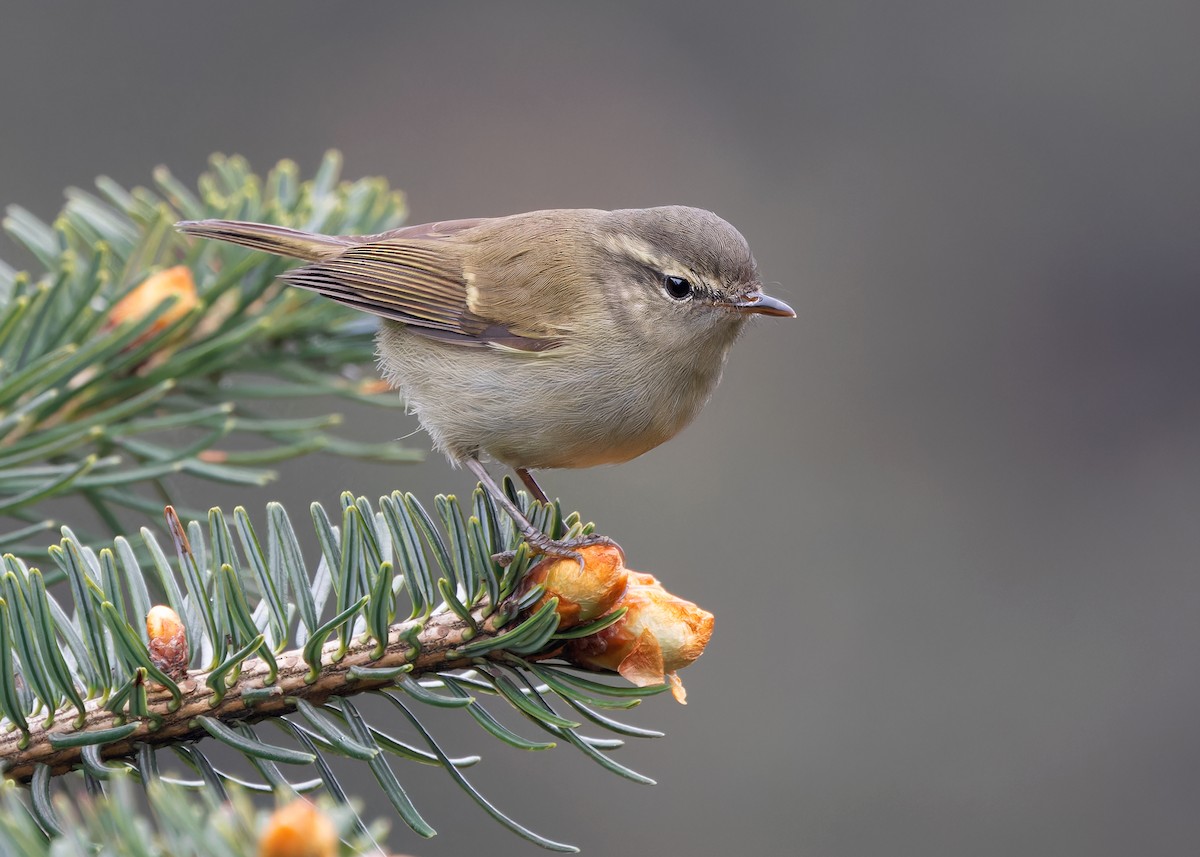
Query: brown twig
(437,638)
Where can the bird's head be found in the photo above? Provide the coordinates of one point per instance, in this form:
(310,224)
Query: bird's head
(685,275)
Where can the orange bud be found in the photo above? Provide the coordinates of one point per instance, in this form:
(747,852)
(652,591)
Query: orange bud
(168,641)
(659,634)
(583,594)
(374,387)
(174,282)
(298,829)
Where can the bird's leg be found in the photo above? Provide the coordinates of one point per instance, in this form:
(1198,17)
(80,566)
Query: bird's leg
(538,541)
(531,484)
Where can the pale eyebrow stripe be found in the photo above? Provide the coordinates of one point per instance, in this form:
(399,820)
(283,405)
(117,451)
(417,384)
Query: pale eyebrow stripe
(627,245)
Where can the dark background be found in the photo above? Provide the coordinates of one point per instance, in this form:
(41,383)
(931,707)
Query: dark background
(947,519)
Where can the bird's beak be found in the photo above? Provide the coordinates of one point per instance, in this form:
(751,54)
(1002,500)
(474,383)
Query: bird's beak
(757,302)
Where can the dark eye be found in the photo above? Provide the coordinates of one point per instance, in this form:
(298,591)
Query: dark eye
(677,287)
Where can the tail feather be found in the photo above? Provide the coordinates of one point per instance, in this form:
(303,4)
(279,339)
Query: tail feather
(263,236)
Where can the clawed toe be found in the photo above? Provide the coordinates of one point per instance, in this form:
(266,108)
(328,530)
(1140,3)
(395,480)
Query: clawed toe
(504,558)
(559,548)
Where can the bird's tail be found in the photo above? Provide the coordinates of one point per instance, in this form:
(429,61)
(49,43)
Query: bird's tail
(263,236)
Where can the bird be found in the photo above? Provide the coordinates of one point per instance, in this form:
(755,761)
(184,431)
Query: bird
(561,338)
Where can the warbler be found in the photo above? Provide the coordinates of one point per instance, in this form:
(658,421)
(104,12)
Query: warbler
(559,338)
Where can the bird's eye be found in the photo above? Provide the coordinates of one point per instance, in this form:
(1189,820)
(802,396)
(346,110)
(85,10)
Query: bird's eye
(677,287)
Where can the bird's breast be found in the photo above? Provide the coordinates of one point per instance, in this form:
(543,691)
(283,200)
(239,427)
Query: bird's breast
(579,407)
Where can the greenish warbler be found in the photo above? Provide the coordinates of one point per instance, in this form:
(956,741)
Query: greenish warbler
(564,338)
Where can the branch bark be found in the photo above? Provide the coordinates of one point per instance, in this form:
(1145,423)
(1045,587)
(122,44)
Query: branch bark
(437,638)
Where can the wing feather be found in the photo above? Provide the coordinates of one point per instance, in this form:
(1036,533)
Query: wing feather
(421,282)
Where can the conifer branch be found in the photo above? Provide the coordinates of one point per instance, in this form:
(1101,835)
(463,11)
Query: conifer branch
(133,357)
(130,358)
(413,648)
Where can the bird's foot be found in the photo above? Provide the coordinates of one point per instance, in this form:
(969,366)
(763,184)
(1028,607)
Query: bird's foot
(542,544)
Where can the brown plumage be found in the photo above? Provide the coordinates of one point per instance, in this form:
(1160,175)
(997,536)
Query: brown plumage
(562,338)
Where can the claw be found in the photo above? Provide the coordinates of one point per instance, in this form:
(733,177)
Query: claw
(559,548)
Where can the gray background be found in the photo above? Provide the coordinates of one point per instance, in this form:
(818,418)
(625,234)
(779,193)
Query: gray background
(947,519)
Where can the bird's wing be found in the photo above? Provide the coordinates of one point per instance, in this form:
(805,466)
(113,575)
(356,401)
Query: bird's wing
(414,277)
(431,231)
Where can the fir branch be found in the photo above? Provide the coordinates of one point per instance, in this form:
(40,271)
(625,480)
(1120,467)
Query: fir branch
(414,648)
(134,355)
(177,825)
(254,635)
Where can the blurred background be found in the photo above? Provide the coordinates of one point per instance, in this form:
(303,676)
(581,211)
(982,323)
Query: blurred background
(947,519)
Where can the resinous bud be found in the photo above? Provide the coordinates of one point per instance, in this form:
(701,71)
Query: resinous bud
(176,282)
(583,594)
(658,635)
(168,641)
(298,829)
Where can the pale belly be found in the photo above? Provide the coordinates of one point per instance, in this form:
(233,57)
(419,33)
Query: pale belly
(541,412)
